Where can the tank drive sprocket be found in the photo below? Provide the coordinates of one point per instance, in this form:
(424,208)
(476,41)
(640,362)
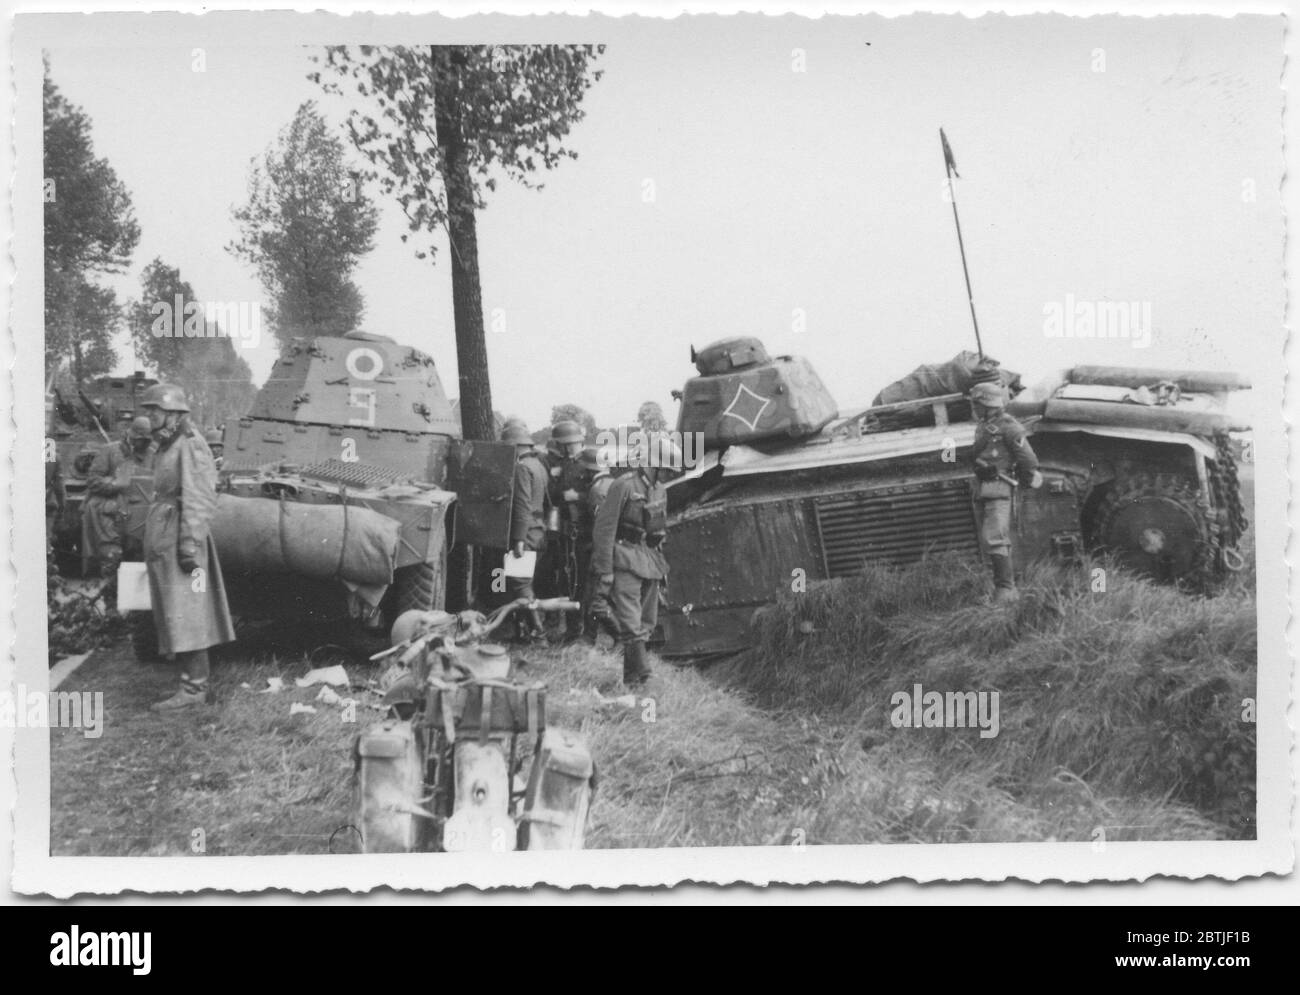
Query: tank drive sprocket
(1159,525)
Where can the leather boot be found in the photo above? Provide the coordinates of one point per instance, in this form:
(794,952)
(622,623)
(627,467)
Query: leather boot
(573,626)
(192,692)
(608,626)
(636,671)
(538,625)
(1004,583)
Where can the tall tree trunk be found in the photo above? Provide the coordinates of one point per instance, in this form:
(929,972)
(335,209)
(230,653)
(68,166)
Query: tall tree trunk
(76,356)
(467,299)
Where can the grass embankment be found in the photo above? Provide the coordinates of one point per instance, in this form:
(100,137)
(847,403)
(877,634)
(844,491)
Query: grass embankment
(1119,711)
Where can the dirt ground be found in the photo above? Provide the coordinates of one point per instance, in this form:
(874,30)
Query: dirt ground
(244,776)
(239,777)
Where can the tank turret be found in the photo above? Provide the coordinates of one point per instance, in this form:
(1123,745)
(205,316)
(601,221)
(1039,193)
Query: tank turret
(353,399)
(743,396)
(361,380)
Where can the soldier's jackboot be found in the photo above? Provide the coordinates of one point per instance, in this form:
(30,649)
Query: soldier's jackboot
(574,628)
(539,626)
(608,626)
(191,693)
(194,688)
(636,671)
(1004,582)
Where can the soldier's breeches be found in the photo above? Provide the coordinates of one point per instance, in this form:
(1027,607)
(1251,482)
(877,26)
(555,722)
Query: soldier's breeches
(102,528)
(520,587)
(995,525)
(635,604)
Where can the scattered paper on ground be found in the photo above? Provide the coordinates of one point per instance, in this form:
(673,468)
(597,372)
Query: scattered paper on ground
(335,675)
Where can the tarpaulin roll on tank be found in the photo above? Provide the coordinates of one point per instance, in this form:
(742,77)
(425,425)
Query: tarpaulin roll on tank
(956,376)
(324,541)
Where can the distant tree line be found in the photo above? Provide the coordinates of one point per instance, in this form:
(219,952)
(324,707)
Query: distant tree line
(90,233)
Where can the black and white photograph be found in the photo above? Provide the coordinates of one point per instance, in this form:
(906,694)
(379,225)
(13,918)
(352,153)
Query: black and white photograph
(623,451)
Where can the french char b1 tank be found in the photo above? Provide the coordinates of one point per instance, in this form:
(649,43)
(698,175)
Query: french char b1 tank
(347,486)
(1138,462)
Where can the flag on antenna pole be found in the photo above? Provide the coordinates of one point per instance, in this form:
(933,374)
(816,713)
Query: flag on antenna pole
(949,162)
(950,165)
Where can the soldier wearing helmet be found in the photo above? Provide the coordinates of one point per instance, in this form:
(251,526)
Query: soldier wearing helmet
(215,439)
(527,519)
(597,615)
(1003,460)
(627,549)
(569,548)
(189,599)
(118,487)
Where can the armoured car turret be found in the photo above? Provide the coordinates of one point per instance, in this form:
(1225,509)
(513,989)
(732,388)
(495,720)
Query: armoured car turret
(1137,462)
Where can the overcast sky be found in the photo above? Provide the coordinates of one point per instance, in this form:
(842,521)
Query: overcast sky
(1111,160)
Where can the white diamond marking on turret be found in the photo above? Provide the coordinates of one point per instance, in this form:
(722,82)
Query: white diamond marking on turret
(743,403)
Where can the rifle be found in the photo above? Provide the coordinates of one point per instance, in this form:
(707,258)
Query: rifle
(94,415)
(67,412)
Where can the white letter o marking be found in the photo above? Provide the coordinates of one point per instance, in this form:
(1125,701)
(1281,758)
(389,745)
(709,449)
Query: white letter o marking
(376,365)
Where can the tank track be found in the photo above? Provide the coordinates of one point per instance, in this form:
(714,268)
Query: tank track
(1222,474)
(421,586)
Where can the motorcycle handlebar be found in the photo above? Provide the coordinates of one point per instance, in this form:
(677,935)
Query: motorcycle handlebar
(492,623)
(495,620)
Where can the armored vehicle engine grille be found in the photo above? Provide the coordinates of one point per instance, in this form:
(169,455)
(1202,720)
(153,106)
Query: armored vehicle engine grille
(895,525)
(353,474)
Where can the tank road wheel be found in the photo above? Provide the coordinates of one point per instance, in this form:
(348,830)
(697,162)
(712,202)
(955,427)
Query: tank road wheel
(1158,526)
(144,637)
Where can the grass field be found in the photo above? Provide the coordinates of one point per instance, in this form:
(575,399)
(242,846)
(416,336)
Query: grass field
(1120,715)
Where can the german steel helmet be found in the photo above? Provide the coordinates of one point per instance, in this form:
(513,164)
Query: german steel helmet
(567,431)
(167,396)
(415,622)
(516,432)
(140,427)
(213,437)
(991,395)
